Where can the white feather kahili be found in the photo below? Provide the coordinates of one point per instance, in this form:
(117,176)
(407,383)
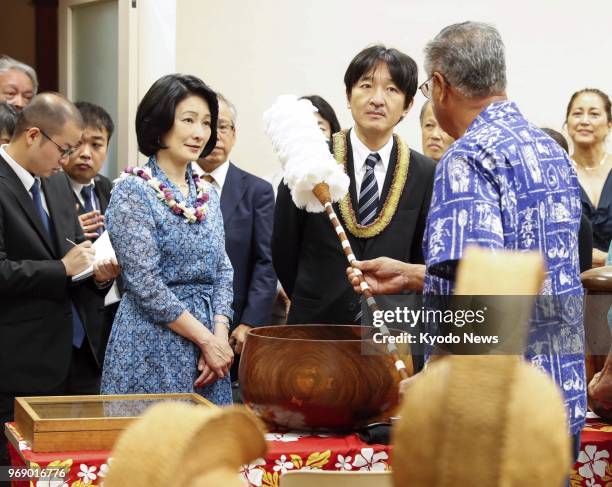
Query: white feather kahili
(303,152)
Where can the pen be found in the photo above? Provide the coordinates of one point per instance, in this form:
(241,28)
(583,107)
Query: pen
(68,240)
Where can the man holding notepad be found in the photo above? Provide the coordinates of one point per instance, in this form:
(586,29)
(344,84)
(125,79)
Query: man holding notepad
(46,350)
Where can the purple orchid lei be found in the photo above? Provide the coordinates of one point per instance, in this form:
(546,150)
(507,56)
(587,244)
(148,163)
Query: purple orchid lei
(192,214)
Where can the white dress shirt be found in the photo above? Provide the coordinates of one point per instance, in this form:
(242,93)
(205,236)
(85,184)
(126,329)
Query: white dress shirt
(24,176)
(219,174)
(361,153)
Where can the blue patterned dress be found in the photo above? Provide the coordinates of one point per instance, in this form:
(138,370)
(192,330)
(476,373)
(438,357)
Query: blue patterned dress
(168,266)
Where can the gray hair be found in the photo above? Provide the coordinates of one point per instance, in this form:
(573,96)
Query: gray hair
(231,107)
(471,57)
(7,63)
(423,109)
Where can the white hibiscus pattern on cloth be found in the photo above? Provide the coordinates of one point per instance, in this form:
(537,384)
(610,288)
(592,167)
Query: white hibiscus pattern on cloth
(282,464)
(284,437)
(88,474)
(252,473)
(593,463)
(344,463)
(368,460)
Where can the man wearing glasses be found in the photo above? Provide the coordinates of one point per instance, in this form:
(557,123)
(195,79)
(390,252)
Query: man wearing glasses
(504,184)
(18,82)
(40,329)
(247,205)
(385,210)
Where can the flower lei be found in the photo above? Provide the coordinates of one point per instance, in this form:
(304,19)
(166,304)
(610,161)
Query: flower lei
(395,191)
(192,214)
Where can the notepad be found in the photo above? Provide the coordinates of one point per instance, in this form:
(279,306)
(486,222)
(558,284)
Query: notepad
(104,250)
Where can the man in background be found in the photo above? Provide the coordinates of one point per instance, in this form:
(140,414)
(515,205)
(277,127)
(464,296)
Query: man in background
(247,205)
(18,82)
(45,344)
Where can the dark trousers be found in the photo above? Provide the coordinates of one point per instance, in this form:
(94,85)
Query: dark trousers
(83,378)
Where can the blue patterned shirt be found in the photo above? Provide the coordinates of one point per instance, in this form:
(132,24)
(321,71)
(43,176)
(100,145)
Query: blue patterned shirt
(506,185)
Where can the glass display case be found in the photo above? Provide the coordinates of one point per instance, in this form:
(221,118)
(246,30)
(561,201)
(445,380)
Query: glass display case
(72,423)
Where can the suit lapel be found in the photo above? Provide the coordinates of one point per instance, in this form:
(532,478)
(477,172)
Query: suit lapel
(102,196)
(56,201)
(77,203)
(233,190)
(389,175)
(356,243)
(15,186)
(350,170)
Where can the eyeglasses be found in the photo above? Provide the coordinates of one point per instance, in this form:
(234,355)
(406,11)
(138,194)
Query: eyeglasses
(426,88)
(224,127)
(63,152)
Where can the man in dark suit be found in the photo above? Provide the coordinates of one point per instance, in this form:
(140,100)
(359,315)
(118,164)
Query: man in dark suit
(91,193)
(90,188)
(385,210)
(247,204)
(43,337)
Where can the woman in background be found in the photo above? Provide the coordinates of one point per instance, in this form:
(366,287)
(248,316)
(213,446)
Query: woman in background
(170,333)
(434,140)
(329,125)
(325,115)
(589,121)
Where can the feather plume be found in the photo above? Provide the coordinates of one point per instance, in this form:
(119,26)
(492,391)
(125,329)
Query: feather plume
(303,152)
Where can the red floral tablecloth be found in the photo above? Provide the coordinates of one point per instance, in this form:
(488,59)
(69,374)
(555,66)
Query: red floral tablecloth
(289,451)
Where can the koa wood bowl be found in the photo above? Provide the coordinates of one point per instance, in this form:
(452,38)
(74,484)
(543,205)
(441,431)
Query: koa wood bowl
(317,377)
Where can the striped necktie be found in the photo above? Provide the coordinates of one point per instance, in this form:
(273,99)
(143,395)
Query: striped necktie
(368,200)
(368,194)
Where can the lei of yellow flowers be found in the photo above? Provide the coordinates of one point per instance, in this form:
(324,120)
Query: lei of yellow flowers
(390,206)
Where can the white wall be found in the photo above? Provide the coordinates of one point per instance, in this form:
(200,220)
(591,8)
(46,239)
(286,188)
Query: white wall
(255,50)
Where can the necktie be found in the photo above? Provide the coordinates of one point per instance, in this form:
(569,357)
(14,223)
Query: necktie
(368,200)
(368,194)
(40,209)
(209,178)
(86,193)
(78,331)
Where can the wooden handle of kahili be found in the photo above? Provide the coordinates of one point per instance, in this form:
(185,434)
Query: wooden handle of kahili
(321,191)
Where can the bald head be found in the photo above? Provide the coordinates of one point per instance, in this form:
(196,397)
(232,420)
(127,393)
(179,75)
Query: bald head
(50,112)
(48,130)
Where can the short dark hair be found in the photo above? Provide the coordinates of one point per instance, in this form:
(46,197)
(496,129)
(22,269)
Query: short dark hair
(49,112)
(404,71)
(155,114)
(95,116)
(605,98)
(8,118)
(325,110)
(557,137)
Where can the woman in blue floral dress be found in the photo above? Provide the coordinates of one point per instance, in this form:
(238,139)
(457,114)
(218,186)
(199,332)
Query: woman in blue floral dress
(170,333)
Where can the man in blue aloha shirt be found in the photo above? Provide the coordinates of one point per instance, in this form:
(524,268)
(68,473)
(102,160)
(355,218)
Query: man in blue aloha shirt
(504,184)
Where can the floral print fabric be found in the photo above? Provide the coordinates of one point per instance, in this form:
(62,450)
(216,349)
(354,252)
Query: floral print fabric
(168,266)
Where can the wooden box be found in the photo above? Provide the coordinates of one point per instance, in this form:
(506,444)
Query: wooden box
(74,423)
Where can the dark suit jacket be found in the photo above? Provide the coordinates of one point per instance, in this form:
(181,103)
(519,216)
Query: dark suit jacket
(35,293)
(98,318)
(310,262)
(247,205)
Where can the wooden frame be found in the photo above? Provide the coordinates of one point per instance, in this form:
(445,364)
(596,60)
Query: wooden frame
(127,69)
(73,434)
